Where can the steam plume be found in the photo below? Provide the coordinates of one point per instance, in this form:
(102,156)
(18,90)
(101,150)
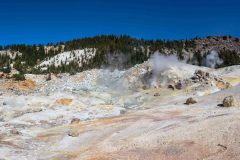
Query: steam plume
(160,63)
(213,59)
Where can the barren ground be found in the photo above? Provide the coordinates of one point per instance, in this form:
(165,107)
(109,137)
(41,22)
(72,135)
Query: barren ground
(136,125)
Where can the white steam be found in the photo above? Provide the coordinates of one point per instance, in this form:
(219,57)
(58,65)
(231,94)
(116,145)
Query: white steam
(161,63)
(213,59)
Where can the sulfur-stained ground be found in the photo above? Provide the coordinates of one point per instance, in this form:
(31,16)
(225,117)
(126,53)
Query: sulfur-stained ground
(35,122)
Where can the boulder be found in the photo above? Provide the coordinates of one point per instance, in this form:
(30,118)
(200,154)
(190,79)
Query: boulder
(49,77)
(179,85)
(75,121)
(73,133)
(229,101)
(156,94)
(14,131)
(190,101)
(144,87)
(171,87)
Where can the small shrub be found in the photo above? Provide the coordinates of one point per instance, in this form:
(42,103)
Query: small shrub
(6,70)
(225,37)
(19,77)
(237,40)
(72,72)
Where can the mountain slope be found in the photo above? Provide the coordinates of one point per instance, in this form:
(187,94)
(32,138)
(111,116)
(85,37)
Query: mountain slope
(76,56)
(117,52)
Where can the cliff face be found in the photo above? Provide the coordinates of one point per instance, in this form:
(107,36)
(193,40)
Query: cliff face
(227,48)
(218,44)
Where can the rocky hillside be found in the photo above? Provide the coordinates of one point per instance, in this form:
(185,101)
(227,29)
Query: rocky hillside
(113,52)
(218,44)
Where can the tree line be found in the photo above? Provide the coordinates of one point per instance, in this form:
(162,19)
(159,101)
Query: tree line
(135,50)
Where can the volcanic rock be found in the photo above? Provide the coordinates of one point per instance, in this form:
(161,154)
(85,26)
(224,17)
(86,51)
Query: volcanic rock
(73,133)
(179,85)
(229,101)
(190,101)
(171,87)
(14,131)
(75,121)
(157,94)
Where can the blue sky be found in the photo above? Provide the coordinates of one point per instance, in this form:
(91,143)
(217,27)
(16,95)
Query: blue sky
(42,21)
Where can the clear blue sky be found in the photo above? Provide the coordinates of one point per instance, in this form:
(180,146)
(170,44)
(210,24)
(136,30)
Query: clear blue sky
(42,21)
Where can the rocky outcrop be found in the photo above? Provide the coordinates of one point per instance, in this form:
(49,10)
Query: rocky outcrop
(200,76)
(203,77)
(73,133)
(75,121)
(229,101)
(170,86)
(179,85)
(14,131)
(217,43)
(190,101)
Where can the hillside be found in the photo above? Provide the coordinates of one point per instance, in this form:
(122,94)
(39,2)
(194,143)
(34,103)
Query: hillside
(113,52)
(77,57)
